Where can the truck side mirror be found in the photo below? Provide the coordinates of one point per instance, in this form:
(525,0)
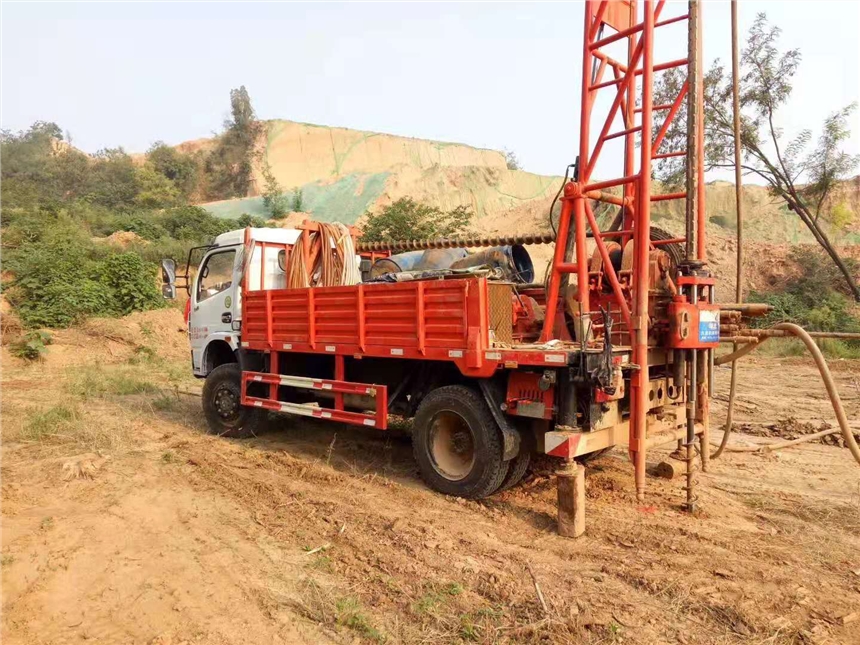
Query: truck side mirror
(168,277)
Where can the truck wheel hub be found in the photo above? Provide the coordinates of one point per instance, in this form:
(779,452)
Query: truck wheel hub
(452,446)
(226,403)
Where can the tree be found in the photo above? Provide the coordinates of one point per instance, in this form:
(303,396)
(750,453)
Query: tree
(178,167)
(803,179)
(511,160)
(114,181)
(230,165)
(407,219)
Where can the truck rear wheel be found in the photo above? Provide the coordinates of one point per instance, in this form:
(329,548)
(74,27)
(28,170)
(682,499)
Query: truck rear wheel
(457,444)
(516,471)
(225,416)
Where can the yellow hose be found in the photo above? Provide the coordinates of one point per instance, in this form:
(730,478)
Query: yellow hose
(829,385)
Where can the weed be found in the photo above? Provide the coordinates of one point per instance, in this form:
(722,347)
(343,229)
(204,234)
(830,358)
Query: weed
(782,348)
(452,588)
(351,614)
(7,559)
(147,330)
(169,457)
(47,523)
(32,346)
(468,629)
(164,402)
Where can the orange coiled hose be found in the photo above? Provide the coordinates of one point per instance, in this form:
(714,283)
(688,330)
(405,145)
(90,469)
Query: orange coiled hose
(330,254)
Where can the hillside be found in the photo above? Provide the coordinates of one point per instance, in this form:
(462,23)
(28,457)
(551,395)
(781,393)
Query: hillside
(343,173)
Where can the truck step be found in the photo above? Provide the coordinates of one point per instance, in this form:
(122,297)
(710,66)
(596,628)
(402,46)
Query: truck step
(379,419)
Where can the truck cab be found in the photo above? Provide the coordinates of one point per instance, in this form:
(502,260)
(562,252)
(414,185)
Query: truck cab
(215,294)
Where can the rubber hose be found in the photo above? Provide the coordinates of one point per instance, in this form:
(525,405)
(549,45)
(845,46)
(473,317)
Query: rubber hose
(743,351)
(727,428)
(829,385)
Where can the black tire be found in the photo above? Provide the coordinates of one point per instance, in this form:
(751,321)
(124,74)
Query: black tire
(225,417)
(516,470)
(457,443)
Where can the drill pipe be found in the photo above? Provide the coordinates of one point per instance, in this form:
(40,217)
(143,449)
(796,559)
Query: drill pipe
(456,242)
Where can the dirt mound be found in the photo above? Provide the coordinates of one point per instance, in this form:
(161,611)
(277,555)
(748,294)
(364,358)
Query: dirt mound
(122,239)
(160,333)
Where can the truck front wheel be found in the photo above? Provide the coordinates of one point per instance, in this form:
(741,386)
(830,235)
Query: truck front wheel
(457,444)
(225,415)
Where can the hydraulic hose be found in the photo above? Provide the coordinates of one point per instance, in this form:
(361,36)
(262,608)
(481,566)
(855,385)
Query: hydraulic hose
(829,385)
(740,353)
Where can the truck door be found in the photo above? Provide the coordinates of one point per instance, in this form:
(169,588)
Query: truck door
(213,304)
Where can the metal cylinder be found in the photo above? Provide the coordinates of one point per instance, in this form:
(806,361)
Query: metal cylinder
(417,261)
(514,260)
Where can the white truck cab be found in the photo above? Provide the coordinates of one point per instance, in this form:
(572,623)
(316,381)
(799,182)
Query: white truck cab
(215,292)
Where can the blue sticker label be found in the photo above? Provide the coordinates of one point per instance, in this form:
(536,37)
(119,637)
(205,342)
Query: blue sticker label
(709,326)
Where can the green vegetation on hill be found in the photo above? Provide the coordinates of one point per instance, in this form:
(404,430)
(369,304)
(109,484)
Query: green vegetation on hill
(57,203)
(817,300)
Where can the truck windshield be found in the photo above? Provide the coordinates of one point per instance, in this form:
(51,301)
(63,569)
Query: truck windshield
(216,275)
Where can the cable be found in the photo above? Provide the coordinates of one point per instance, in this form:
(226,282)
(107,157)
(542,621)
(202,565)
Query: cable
(558,194)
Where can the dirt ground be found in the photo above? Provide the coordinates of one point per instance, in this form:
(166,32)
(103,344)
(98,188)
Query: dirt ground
(123,522)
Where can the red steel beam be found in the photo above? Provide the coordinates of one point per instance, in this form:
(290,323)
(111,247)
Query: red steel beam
(607,266)
(673,111)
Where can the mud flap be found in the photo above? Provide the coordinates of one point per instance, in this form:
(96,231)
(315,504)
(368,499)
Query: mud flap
(511,438)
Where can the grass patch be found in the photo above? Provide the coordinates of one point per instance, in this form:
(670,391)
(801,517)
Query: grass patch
(435,596)
(788,347)
(67,425)
(165,402)
(323,563)
(351,614)
(98,382)
(57,422)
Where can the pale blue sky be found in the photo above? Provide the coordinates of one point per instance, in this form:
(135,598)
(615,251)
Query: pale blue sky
(490,75)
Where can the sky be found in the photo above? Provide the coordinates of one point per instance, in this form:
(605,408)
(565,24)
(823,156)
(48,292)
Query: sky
(500,76)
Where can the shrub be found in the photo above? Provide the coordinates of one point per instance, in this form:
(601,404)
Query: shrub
(297,203)
(511,160)
(63,278)
(407,219)
(273,196)
(131,283)
(194,224)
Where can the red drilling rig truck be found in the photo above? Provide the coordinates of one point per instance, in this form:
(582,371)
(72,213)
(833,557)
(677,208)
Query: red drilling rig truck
(614,348)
